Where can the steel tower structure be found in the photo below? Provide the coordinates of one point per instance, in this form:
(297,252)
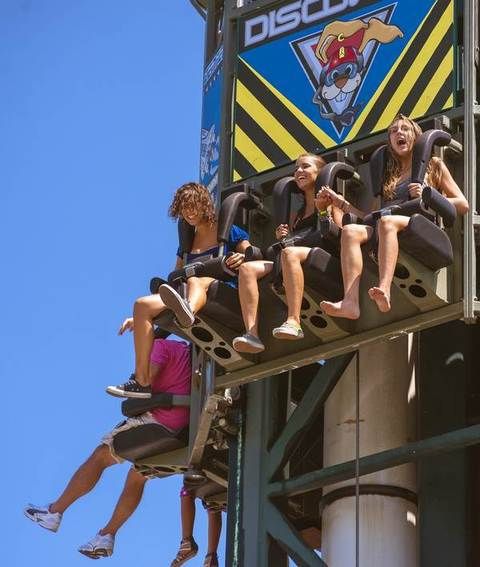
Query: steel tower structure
(359,446)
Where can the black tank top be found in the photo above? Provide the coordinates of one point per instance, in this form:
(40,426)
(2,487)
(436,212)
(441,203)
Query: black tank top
(306,222)
(401,195)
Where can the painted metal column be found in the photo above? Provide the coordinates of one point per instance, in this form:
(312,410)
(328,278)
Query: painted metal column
(387,509)
(264,418)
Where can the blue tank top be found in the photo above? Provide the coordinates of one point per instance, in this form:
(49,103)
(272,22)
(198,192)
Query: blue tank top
(235,236)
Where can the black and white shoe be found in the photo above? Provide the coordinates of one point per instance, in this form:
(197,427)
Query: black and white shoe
(130,389)
(42,516)
(174,301)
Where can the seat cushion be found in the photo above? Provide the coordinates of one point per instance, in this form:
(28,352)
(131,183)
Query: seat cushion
(426,242)
(223,305)
(323,274)
(147,440)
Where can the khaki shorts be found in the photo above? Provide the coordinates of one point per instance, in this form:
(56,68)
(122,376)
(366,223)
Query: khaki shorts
(125,425)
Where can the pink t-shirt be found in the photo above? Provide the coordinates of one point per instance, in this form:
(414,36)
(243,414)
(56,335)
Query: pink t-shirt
(174,376)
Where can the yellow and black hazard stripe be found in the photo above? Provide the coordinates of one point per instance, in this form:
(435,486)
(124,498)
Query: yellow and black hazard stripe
(269,129)
(421,80)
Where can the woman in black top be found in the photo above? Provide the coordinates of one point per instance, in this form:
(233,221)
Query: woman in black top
(307,169)
(397,188)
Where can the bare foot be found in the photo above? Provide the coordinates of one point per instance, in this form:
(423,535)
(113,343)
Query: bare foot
(343,308)
(381,299)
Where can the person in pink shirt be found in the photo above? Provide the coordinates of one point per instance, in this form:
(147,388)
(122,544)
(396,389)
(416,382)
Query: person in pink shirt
(170,365)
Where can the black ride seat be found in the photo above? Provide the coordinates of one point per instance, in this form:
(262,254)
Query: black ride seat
(420,282)
(322,269)
(423,239)
(220,320)
(148,440)
(152,438)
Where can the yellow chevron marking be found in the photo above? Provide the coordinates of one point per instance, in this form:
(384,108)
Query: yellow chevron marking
(449,102)
(268,122)
(321,136)
(366,111)
(434,85)
(236,175)
(250,151)
(414,72)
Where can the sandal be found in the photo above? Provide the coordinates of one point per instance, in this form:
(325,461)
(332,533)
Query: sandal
(288,331)
(188,549)
(211,560)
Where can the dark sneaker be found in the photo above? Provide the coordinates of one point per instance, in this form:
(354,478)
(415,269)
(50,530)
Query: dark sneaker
(130,389)
(248,343)
(174,301)
(188,549)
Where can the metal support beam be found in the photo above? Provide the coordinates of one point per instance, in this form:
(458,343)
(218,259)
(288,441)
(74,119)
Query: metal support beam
(340,346)
(470,158)
(451,441)
(234,519)
(445,361)
(312,401)
(287,537)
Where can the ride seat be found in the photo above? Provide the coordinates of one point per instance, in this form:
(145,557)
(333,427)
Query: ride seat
(322,269)
(427,243)
(148,440)
(223,305)
(425,248)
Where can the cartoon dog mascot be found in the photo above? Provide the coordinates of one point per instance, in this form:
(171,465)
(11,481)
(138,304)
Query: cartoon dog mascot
(340,51)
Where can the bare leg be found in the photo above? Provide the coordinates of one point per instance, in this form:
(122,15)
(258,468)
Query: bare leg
(197,292)
(187,507)
(353,236)
(85,478)
(144,311)
(388,229)
(214,530)
(127,503)
(293,280)
(188,547)
(248,276)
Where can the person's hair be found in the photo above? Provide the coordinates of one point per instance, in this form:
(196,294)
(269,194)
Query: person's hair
(196,196)
(319,161)
(392,166)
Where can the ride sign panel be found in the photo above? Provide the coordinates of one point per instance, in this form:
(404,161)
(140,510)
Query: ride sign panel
(314,74)
(211,115)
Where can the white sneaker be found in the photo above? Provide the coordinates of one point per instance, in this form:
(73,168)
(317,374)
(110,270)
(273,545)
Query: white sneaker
(98,546)
(42,516)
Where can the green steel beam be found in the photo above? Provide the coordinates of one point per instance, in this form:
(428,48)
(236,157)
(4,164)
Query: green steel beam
(306,411)
(470,71)
(341,346)
(384,460)
(287,537)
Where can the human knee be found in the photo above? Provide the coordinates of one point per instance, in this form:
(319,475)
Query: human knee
(142,305)
(351,233)
(387,224)
(290,255)
(248,272)
(134,477)
(195,283)
(102,456)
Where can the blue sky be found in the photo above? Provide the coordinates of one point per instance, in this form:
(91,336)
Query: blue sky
(100,108)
